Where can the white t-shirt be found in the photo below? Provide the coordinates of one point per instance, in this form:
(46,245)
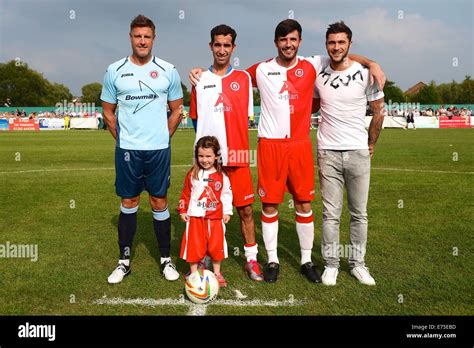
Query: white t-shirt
(344,95)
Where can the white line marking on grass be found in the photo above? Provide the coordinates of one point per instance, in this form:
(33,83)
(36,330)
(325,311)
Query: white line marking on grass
(421,170)
(195,309)
(75,169)
(186,165)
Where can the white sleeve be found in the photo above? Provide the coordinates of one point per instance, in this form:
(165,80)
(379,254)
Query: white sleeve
(373,92)
(251,111)
(226,197)
(319,62)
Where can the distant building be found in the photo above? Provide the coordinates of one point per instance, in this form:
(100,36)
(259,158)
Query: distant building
(415,89)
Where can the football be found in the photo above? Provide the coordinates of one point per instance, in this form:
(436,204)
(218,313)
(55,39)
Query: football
(202,286)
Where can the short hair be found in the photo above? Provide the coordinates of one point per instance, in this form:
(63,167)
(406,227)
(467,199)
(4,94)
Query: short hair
(339,27)
(287,26)
(142,21)
(225,30)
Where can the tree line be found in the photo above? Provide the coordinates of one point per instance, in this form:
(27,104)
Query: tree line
(22,86)
(444,93)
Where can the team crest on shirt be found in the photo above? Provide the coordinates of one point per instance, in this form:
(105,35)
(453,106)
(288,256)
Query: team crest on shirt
(218,185)
(154,74)
(299,72)
(261,192)
(235,86)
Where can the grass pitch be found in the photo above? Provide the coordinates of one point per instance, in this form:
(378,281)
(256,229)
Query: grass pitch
(57,192)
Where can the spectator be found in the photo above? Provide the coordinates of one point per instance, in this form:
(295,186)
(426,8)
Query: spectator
(100,119)
(442,111)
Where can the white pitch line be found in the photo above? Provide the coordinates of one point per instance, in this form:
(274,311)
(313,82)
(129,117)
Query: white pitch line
(195,309)
(258,303)
(147,302)
(74,169)
(185,165)
(421,170)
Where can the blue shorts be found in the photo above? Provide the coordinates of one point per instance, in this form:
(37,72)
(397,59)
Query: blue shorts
(136,170)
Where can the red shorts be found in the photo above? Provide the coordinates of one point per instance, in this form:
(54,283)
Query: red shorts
(285,164)
(203,237)
(242,186)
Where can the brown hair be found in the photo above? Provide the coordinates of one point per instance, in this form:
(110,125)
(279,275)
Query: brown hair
(339,27)
(207,142)
(223,30)
(141,21)
(287,26)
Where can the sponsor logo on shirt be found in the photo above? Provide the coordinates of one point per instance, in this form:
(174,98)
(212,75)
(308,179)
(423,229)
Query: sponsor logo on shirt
(273,73)
(151,96)
(208,199)
(288,87)
(140,97)
(209,86)
(226,104)
(127,74)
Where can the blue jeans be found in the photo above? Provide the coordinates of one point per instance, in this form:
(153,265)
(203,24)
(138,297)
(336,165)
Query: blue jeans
(339,169)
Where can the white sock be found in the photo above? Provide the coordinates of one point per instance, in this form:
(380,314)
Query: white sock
(270,235)
(251,252)
(126,262)
(305,230)
(164,259)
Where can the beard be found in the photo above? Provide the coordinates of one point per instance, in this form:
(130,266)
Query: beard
(340,59)
(286,57)
(142,53)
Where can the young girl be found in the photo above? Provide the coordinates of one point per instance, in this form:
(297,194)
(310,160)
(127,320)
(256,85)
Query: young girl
(206,205)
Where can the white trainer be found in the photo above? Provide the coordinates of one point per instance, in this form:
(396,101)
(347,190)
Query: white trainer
(363,275)
(118,274)
(168,269)
(329,276)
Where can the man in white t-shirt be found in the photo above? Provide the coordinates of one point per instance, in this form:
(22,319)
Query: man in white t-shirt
(345,150)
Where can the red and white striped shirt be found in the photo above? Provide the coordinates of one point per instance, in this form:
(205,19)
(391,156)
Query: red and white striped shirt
(210,196)
(286,97)
(222,104)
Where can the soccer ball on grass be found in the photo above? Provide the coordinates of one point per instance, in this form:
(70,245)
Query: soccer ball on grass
(201,286)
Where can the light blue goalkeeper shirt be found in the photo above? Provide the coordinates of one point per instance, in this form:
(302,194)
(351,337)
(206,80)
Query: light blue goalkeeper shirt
(141,94)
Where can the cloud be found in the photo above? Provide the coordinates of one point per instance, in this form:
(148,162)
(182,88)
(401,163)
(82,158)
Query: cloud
(405,32)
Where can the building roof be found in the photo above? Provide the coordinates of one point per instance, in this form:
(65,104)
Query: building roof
(415,88)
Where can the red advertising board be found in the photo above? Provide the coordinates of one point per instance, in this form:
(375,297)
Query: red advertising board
(16,124)
(454,122)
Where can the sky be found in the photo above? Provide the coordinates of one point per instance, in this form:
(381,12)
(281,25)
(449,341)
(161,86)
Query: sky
(73,41)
